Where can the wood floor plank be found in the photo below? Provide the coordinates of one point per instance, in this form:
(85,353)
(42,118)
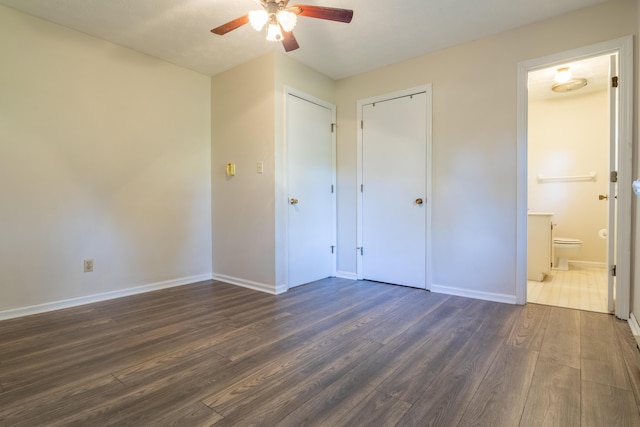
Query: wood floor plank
(531,324)
(275,400)
(196,415)
(600,354)
(502,394)
(561,342)
(404,314)
(415,372)
(603,405)
(445,399)
(336,400)
(54,403)
(305,361)
(417,339)
(376,409)
(554,396)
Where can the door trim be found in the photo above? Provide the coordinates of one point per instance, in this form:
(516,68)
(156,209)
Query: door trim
(624,48)
(427,89)
(285,201)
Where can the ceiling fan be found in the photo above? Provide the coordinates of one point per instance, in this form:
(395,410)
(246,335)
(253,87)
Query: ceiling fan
(281,19)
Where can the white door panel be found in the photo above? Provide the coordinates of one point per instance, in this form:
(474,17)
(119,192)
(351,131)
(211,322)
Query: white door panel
(311,209)
(394,198)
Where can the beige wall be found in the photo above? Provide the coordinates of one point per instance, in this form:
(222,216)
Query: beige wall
(249,225)
(474,142)
(104,154)
(243,219)
(569,136)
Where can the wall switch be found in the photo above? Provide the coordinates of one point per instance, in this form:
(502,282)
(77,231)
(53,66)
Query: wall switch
(260,167)
(88,265)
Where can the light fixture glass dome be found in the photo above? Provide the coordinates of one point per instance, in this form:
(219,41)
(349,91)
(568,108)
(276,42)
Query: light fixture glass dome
(563,75)
(287,20)
(257,19)
(273,33)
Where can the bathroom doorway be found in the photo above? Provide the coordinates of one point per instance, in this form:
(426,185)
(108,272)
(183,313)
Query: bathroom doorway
(568,181)
(586,123)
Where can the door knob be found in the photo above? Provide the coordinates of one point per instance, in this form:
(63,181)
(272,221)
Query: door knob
(603,197)
(419,201)
(293,201)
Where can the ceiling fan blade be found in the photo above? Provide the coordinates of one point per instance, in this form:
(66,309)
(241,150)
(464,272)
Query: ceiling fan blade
(289,41)
(231,25)
(320,12)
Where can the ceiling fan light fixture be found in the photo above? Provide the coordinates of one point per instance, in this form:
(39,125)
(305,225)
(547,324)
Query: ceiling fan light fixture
(258,18)
(287,20)
(563,75)
(273,33)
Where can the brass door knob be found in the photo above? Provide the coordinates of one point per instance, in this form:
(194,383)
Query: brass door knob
(293,201)
(419,201)
(603,197)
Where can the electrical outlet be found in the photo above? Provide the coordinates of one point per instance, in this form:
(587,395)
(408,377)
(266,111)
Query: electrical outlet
(88,265)
(260,167)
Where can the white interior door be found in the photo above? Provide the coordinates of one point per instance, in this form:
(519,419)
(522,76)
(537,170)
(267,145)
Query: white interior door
(394,197)
(311,185)
(613,186)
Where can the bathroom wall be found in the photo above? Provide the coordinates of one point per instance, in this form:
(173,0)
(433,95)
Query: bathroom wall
(569,135)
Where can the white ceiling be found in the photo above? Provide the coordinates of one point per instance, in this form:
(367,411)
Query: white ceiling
(382,31)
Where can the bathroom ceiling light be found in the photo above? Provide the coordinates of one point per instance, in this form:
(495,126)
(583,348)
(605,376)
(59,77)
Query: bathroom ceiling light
(571,85)
(563,75)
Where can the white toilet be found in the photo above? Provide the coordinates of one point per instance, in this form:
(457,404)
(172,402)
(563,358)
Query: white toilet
(563,249)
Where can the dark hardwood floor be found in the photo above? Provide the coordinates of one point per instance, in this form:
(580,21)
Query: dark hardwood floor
(332,353)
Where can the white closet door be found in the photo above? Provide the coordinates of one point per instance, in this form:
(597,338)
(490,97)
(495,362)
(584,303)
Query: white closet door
(394,156)
(311,230)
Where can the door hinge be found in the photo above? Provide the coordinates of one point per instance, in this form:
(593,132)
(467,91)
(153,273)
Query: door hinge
(361,124)
(333,125)
(613,270)
(361,249)
(361,188)
(333,249)
(614,81)
(331,188)
(613,176)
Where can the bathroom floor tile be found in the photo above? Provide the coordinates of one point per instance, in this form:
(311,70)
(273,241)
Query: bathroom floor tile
(581,287)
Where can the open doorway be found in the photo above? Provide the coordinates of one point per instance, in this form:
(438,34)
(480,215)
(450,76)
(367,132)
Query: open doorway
(619,193)
(568,149)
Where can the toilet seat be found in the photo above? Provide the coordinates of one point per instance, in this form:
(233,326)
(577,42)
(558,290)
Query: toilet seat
(566,241)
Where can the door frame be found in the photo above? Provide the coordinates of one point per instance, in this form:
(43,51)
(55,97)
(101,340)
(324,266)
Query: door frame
(624,48)
(289,91)
(427,89)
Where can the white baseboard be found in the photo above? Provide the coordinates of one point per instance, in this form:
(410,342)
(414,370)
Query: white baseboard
(74,302)
(588,263)
(633,324)
(256,286)
(346,275)
(487,296)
